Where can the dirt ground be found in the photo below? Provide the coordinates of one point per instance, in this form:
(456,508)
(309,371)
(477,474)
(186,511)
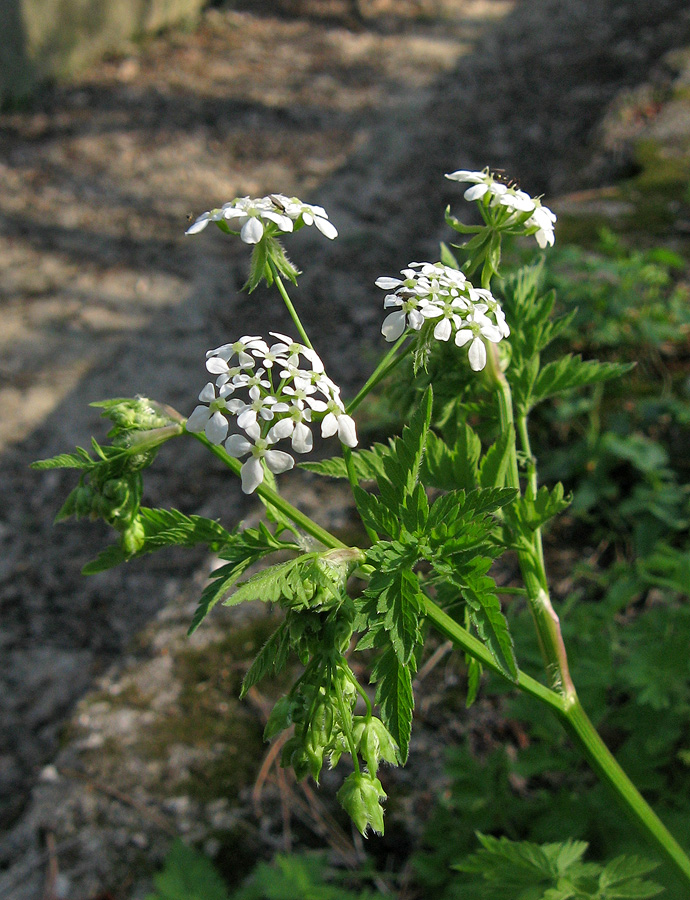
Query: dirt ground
(361,108)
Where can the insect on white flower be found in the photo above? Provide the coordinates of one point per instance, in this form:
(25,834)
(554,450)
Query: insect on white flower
(492,189)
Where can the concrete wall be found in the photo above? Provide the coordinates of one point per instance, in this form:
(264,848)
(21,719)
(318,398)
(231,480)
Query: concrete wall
(53,38)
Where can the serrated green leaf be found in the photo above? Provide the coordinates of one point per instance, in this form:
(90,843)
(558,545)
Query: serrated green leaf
(188,875)
(571,372)
(282,581)
(78,460)
(112,556)
(170,527)
(375,514)
(399,605)
(533,512)
(487,617)
(270,660)
(223,580)
(394,697)
(449,467)
(494,465)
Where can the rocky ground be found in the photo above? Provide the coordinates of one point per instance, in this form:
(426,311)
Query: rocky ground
(361,109)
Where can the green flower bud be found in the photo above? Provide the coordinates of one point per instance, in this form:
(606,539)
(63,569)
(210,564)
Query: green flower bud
(376,743)
(133,538)
(83,503)
(360,797)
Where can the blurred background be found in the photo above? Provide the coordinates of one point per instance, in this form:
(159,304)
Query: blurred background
(121,120)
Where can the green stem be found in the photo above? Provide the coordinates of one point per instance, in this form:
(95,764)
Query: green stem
(602,761)
(462,638)
(288,303)
(531,558)
(299,518)
(576,723)
(386,365)
(346,723)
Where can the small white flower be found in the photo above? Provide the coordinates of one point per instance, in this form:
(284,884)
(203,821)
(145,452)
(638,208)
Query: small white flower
(443,297)
(251,216)
(477,326)
(252,472)
(311,215)
(211,215)
(209,418)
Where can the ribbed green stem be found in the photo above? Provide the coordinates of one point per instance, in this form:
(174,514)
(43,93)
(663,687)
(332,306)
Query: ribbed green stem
(531,556)
(602,761)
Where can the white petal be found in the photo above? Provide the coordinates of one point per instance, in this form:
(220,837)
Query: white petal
(237,445)
(476,191)
(283,222)
(477,355)
(393,326)
(388,284)
(217,428)
(216,366)
(326,228)
(253,431)
(347,431)
(329,425)
(302,440)
(252,231)
(280,430)
(463,336)
(443,330)
(208,393)
(199,225)
(278,461)
(198,419)
(247,418)
(252,475)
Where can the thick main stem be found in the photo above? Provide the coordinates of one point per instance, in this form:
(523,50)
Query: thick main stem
(531,557)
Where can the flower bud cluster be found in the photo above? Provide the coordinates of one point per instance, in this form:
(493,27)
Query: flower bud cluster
(435,298)
(271,393)
(523,211)
(250,217)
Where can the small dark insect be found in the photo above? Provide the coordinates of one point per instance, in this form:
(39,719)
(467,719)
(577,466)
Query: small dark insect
(502,178)
(190,216)
(277,202)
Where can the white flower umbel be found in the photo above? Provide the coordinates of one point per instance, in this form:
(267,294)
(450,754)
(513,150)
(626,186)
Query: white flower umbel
(439,301)
(522,214)
(250,217)
(271,393)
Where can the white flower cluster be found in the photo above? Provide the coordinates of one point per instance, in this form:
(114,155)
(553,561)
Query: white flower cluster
(251,216)
(488,185)
(435,293)
(272,393)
